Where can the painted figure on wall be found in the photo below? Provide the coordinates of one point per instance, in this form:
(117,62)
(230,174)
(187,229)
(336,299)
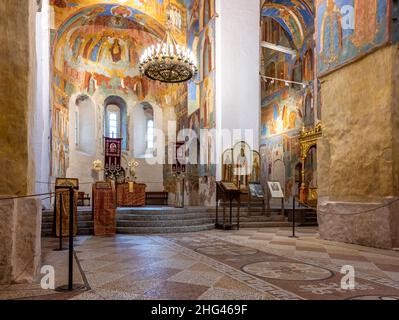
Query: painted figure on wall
(331,33)
(116,51)
(348,29)
(365,21)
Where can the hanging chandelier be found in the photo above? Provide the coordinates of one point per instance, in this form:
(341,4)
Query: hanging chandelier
(168,62)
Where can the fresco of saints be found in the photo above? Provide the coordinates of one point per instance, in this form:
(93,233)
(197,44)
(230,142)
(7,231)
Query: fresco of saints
(331,33)
(116,51)
(365,22)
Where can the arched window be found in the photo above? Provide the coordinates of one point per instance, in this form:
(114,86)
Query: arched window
(150,134)
(143,130)
(115,119)
(85,131)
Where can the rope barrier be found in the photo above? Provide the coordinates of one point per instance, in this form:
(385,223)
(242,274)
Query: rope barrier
(51,194)
(355,213)
(53,183)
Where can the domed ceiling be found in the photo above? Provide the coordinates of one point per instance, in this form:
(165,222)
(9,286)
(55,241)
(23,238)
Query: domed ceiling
(295,16)
(107,38)
(96,46)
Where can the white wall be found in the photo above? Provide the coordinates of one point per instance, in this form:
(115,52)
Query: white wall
(138,124)
(237,70)
(81,159)
(41,130)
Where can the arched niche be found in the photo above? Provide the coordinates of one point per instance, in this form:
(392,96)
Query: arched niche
(278,173)
(309,115)
(83,124)
(115,112)
(144,126)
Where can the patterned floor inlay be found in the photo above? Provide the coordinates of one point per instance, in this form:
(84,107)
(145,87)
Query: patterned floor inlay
(287,271)
(253,264)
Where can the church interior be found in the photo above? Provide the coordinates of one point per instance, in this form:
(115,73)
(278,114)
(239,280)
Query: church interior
(199,150)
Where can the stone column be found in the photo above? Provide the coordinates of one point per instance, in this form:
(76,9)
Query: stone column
(20,241)
(17,95)
(358,154)
(19,219)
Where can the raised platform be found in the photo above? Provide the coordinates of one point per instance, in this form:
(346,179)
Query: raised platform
(162,219)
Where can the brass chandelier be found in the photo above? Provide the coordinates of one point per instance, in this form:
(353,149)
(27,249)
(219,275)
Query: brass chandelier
(168,62)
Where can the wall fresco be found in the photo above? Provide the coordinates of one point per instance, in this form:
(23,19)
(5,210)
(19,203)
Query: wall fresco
(348,29)
(95,51)
(287,108)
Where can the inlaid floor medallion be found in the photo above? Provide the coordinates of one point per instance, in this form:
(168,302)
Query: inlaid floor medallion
(287,271)
(226,250)
(387,298)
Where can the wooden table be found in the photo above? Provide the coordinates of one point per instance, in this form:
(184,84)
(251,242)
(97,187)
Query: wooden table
(125,198)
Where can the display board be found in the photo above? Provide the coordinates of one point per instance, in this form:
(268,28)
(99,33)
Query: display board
(256,190)
(275,189)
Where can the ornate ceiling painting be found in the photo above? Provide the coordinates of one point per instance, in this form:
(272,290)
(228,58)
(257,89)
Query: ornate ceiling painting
(96,46)
(295,16)
(103,41)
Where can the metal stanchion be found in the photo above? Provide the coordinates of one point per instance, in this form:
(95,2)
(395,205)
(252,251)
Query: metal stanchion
(61,246)
(70,286)
(293,218)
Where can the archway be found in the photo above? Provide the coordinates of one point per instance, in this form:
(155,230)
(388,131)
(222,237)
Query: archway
(115,119)
(144,126)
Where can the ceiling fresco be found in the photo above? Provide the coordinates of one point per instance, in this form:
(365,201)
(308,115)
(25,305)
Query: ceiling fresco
(108,38)
(295,16)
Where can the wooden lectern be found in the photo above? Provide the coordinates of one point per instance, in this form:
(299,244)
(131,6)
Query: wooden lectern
(226,193)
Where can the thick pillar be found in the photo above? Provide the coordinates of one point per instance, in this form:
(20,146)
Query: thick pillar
(358,154)
(237,76)
(17,94)
(20,219)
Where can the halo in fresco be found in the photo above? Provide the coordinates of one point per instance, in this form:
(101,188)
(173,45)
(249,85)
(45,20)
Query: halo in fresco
(121,11)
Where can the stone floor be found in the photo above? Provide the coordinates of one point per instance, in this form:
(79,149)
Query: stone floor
(247,264)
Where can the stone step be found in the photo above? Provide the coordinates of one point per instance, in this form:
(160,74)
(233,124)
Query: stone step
(276,218)
(163,210)
(163,223)
(159,230)
(269,224)
(155,217)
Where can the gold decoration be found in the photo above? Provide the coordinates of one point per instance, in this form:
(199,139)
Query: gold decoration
(168,62)
(308,139)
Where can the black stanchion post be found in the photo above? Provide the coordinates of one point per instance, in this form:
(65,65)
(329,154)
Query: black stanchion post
(71,224)
(70,286)
(61,216)
(61,245)
(293,218)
